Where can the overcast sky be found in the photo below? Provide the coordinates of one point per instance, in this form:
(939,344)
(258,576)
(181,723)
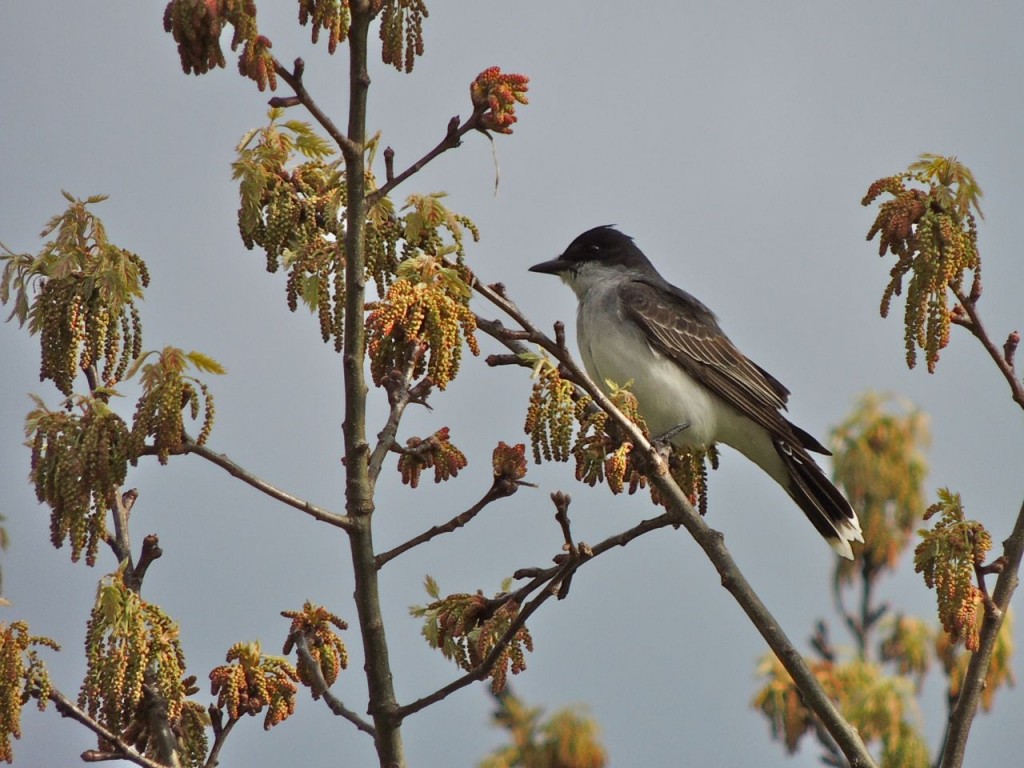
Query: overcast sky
(733,140)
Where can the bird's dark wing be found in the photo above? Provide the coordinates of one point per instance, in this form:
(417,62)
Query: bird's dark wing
(681,328)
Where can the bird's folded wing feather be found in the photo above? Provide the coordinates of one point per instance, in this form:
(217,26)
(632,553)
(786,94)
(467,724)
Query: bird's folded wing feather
(681,328)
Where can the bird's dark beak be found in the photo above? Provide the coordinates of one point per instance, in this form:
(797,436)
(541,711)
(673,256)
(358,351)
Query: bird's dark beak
(553,267)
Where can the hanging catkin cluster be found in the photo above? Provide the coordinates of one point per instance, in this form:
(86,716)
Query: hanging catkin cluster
(423,319)
(79,462)
(132,645)
(933,234)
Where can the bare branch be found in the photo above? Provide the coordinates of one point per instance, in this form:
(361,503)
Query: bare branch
(120,543)
(222,461)
(322,690)
(220,734)
(124,751)
(452,139)
(1003,358)
(493,493)
(150,552)
(294,80)
(400,395)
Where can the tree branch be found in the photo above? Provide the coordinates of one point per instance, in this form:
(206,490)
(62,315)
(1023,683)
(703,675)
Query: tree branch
(124,751)
(495,492)
(294,80)
(120,543)
(322,690)
(556,576)
(966,707)
(452,139)
(400,395)
(233,469)
(359,497)
(484,668)
(712,542)
(220,734)
(1003,358)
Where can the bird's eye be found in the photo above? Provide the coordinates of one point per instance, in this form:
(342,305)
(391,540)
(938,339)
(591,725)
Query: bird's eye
(593,248)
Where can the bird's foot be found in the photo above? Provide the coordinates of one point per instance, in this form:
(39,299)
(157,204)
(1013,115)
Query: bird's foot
(663,443)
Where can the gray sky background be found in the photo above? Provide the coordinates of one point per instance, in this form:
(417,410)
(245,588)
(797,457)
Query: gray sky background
(734,140)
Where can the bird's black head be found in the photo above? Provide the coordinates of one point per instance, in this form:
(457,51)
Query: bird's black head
(600,244)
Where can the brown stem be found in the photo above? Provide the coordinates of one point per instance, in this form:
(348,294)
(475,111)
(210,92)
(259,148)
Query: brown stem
(121,543)
(122,750)
(220,734)
(383,707)
(999,356)
(233,469)
(399,396)
(294,80)
(493,493)
(150,552)
(322,690)
(452,139)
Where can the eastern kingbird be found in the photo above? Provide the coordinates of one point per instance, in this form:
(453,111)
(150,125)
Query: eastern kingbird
(690,380)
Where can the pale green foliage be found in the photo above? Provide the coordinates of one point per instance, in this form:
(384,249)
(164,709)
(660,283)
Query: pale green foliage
(566,739)
(882,707)
(879,463)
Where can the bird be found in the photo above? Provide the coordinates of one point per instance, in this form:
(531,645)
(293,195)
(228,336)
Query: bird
(693,386)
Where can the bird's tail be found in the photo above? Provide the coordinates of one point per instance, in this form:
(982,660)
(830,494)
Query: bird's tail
(826,508)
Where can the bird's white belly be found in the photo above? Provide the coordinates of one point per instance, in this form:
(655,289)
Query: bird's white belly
(668,397)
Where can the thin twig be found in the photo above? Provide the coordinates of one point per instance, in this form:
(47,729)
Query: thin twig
(150,552)
(484,668)
(220,735)
(452,139)
(555,575)
(294,80)
(124,751)
(322,690)
(1003,360)
(399,397)
(222,461)
(461,519)
(120,541)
